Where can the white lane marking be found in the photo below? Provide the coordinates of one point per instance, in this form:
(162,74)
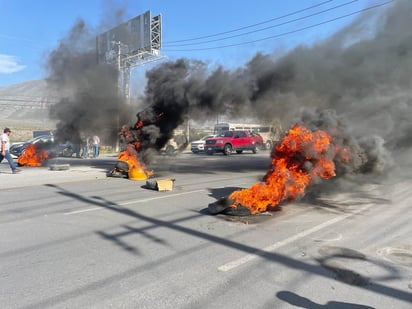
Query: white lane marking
(249,257)
(83,210)
(132,202)
(160,197)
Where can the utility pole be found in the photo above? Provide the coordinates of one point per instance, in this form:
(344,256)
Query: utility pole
(119,89)
(119,67)
(123,69)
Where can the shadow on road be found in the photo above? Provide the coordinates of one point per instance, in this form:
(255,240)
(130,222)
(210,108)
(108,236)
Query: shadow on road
(302,302)
(271,257)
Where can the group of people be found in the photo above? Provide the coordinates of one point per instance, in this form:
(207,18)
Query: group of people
(5,150)
(83,147)
(92,143)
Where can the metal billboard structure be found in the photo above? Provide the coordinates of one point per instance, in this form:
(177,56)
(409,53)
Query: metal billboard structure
(130,44)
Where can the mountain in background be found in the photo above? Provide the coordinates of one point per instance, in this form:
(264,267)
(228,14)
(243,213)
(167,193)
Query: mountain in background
(27,102)
(24,107)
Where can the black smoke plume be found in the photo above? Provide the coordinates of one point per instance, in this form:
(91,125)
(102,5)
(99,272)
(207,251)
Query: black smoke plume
(91,102)
(358,79)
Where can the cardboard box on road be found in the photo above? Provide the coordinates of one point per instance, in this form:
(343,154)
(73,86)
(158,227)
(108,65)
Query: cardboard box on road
(160,184)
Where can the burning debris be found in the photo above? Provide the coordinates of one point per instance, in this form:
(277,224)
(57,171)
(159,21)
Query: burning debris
(34,155)
(300,157)
(135,141)
(129,166)
(362,72)
(303,157)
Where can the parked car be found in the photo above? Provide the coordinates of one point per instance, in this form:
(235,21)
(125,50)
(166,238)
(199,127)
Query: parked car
(174,145)
(19,148)
(237,141)
(63,150)
(47,141)
(199,145)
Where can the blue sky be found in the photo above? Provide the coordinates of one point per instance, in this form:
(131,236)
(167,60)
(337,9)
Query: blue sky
(29,29)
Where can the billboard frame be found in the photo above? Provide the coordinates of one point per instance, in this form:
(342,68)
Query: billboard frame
(119,47)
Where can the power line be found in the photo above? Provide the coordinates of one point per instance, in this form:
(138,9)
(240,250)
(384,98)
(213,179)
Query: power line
(288,32)
(269,27)
(27,100)
(254,25)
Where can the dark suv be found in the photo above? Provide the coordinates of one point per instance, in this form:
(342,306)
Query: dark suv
(47,141)
(18,149)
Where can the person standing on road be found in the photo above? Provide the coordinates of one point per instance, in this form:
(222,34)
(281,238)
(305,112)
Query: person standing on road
(96,146)
(86,147)
(5,150)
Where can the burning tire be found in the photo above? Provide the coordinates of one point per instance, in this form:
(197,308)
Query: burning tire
(222,206)
(121,170)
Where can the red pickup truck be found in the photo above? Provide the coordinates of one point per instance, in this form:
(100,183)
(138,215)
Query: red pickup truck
(236,140)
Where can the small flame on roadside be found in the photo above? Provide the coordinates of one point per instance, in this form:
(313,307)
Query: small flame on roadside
(136,169)
(33,156)
(134,165)
(130,155)
(297,160)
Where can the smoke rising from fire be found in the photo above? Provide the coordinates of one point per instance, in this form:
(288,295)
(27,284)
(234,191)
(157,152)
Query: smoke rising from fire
(359,78)
(91,103)
(362,73)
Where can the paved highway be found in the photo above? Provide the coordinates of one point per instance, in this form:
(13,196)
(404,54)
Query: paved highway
(78,239)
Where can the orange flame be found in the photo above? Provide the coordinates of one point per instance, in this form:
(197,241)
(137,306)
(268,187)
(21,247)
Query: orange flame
(301,156)
(33,156)
(130,157)
(139,124)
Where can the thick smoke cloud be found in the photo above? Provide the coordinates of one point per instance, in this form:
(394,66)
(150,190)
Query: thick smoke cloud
(361,75)
(359,80)
(367,153)
(91,103)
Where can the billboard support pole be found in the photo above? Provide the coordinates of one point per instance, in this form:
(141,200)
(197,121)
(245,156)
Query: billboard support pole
(133,43)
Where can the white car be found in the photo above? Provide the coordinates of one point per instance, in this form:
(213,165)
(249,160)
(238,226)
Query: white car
(199,145)
(174,145)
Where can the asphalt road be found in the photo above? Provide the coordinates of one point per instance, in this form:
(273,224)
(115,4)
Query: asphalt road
(76,238)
